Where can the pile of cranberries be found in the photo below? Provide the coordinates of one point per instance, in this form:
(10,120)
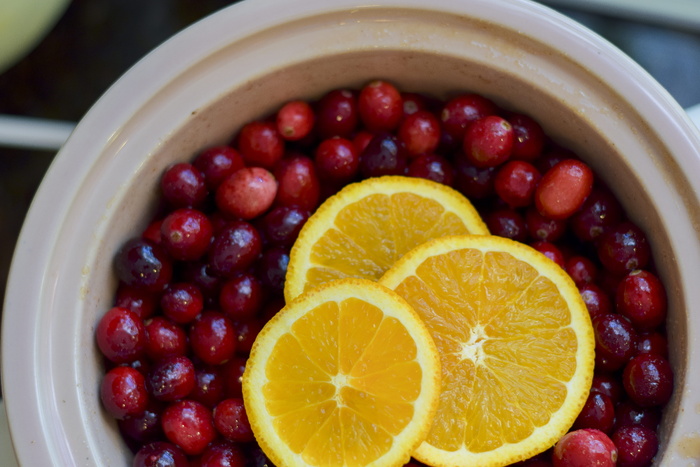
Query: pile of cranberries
(197,285)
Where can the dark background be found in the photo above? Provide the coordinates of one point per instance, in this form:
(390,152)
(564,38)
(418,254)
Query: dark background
(95,41)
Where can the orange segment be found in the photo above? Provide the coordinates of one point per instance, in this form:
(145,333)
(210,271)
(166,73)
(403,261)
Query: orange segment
(344,375)
(363,229)
(516,347)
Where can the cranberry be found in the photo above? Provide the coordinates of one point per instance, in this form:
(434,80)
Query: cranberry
(273,268)
(295,120)
(189,425)
(209,385)
(337,114)
(298,183)
(171,378)
(233,376)
(551,251)
(515,183)
(585,448)
(608,384)
(337,159)
(636,446)
(234,249)
(581,269)
(488,142)
(648,380)
(165,339)
(413,102)
(202,275)
(260,144)
(182,186)
(140,301)
(217,163)
(641,297)
(432,167)
(257,457)
(123,392)
(462,110)
(598,412)
(506,222)
(281,226)
(624,248)
(160,454)
(142,264)
(380,106)
(246,332)
(595,299)
(361,140)
(627,413)
(223,454)
(241,297)
(212,337)
(600,211)
(529,137)
(144,427)
(182,302)
(653,342)
(231,420)
(186,234)
(563,189)
(384,155)
(616,341)
(552,158)
(152,232)
(420,133)
(121,336)
(472,181)
(247,192)
(543,228)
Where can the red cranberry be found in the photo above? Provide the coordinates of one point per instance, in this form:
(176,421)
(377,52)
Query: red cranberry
(140,301)
(298,183)
(182,302)
(595,299)
(233,376)
(616,341)
(543,228)
(209,387)
(462,110)
(247,193)
(598,412)
(529,137)
(488,142)
(281,226)
(361,140)
(241,297)
(295,120)
(217,163)
(337,159)
(624,248)
(212,337)
(653,342)
(171,378)
(165,339)
(420,133)
(563,189)
(337,114)
(384,155)
(123,392)
(202,275)
(144,427)
(432,167)
(636,446)
(234,249)
(152,232)
(186,234)
(551,251)
(144,265)
(472,181)
(183,186)
(608,384)
(246,332)
(380,106)
(585,448)
(600,211)
(627,413)
(273,268)
(224,454)
(231,420)
(506,222)
(121,336)
(648,380)
(552,158)
(189,425)
(413,102)
(515,183)
(160,454)
(641,297)
(581,269)
(260,144)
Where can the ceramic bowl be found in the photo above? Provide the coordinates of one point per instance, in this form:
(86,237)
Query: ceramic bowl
(240,63)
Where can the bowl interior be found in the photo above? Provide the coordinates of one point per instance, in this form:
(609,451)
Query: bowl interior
(114,160)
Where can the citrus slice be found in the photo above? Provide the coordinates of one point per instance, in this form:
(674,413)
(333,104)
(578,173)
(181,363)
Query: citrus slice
(344,375)
(515,341)
(365,227)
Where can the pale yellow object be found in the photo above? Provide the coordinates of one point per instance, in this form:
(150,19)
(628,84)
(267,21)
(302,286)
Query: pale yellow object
(515,341)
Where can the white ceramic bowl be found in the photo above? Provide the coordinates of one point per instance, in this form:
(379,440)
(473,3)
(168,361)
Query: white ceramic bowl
(242,62)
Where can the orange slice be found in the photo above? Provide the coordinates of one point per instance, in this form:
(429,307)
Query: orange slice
(364,228)
(344,375)
(516,347)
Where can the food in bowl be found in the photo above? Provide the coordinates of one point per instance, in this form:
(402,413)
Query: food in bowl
(198,284)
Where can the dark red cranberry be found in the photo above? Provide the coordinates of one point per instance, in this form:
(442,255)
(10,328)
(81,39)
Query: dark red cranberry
(608,384)
(165,339)
(596,300)
(160,454)
(256,456)
(231,420)
(273,268)
(488,142)
(144,265)
(598,412)
(624,248)
(506,222)
(472,181)
(653,342)
(260,144)
(171,378)
(627,413)
(189,425)
(121,335)
(585,448)
(123,392)
(552,157)
(212,338)
(529,137)
(380,106)
(183,186)
(336,114)
(361,140)
(140,301)
(186,234)
(295,120)
(462,110)
(600,211)
(234,249)
(281,226)
(152,232)
(551,251)
(420,133)
(233,376)
(144,427)
(648,380)
(641,297)
(241,297)
(182,302)
(616,341)
(413,102)
(223,453)
(432,167)
(581,269)
(201,274)
(217,163)
(246,332)
(563,189)
(384,155)
(298,183)
(209,387)
(636,446)
(515,183)
(337,159)
(543,228)
(247,193)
